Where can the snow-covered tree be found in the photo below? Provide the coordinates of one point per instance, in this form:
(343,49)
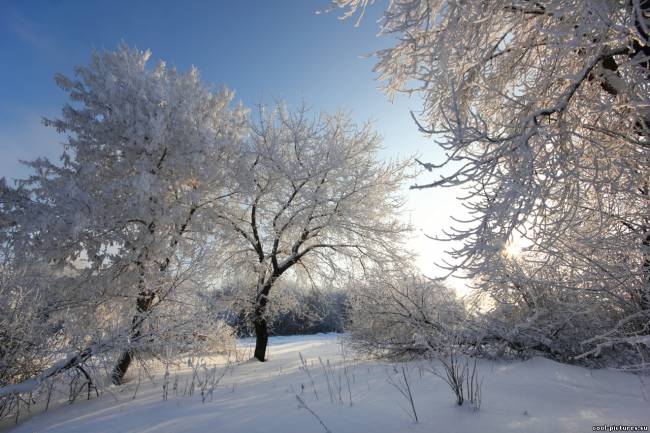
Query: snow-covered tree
(543,109)
(122,223)
(399,313)
(314,199)
(29,334)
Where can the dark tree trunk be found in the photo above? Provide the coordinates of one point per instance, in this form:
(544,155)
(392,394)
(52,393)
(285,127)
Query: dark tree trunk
(123,363)
(143,305)
(644,293)
(259,322)
(261,339)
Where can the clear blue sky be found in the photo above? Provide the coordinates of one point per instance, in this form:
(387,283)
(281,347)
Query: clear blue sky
(261,49)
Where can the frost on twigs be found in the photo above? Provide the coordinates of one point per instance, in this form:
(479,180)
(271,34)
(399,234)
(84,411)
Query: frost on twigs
(107,252)
(315,205)
(542,111)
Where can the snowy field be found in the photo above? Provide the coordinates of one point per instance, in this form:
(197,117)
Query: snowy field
(532,396)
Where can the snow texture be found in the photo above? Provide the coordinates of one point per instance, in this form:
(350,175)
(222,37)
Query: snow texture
(537,395)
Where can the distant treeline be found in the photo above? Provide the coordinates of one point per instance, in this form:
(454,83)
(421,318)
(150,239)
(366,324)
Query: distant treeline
(312,313)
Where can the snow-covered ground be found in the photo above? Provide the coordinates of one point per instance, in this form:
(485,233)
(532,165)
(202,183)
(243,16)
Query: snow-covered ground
(532,396)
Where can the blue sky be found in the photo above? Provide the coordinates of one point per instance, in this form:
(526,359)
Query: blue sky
(261,49)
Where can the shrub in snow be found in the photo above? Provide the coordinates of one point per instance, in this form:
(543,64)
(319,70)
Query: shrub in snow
(458,371)
(401,381)
(401,314)
(398,315)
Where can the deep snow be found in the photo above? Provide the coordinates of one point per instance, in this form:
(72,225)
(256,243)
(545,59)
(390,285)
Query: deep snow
(537,395)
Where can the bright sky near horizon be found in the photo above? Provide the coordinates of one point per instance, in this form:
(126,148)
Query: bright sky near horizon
(261,49)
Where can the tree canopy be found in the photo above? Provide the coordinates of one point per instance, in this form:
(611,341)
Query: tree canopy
(542,111)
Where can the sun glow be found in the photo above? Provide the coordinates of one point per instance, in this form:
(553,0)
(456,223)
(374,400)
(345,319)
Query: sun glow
(516,246)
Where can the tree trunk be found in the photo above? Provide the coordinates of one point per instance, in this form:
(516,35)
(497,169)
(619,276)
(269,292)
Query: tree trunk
(261,338)
(123,363)
(644,295)
(143,305)
(259,319)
